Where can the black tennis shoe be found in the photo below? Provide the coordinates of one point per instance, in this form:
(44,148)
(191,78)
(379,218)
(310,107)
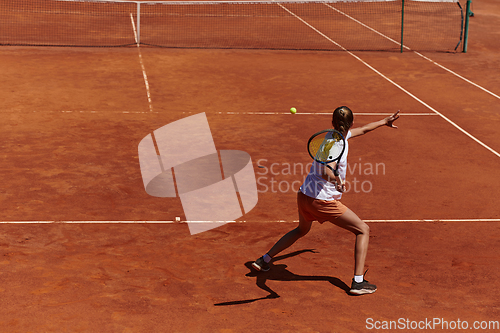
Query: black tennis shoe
(260,265)
(361,288)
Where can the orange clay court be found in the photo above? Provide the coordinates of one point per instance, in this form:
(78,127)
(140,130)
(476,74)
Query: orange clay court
(71,260)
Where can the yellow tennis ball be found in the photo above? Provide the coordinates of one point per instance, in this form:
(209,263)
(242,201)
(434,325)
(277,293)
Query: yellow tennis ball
(293,110)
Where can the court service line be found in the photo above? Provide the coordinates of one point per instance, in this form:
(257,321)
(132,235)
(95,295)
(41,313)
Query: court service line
(90,111)
(258,113)
(417,53)
(144,75)
(323,113)
(395,84)
(275,221)
(433,220)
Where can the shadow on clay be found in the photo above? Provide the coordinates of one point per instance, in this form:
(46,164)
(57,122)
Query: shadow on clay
(280,273)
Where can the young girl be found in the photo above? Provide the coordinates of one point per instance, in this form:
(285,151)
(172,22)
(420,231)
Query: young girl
(318,200)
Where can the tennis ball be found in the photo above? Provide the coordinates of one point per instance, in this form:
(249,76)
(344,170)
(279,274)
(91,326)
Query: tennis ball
(293,110)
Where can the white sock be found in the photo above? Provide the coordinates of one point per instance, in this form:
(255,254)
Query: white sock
(358,278)
(267,258)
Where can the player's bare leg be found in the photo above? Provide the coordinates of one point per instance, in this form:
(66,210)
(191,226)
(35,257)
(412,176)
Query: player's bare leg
(350,221)
(285,242)
(291,237)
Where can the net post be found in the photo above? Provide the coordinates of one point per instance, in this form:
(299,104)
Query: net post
(402,22)
(466,26)
(138,23)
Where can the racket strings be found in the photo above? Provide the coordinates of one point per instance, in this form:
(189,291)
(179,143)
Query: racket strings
(326,147)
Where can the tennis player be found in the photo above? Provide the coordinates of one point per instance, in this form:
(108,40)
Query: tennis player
(318,200)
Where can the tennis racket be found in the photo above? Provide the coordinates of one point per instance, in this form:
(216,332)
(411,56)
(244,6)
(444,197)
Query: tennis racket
(327,146)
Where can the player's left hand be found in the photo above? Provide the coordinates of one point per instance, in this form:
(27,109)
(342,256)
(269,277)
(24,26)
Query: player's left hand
(340,186)
(391,119)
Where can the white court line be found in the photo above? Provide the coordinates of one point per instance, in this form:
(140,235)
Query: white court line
(116,222)
(419,54)
(395,84)
(276,221)
(436,220)
(458,75)
(258,113)
(325,113)
(91,111)
(144,75)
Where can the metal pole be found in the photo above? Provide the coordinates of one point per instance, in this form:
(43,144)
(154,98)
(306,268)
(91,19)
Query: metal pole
(466,27)
(138,23)
(402,22)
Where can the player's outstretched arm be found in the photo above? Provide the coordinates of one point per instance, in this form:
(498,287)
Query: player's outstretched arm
(389,121)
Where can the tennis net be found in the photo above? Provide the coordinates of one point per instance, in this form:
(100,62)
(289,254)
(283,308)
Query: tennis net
(288,25)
